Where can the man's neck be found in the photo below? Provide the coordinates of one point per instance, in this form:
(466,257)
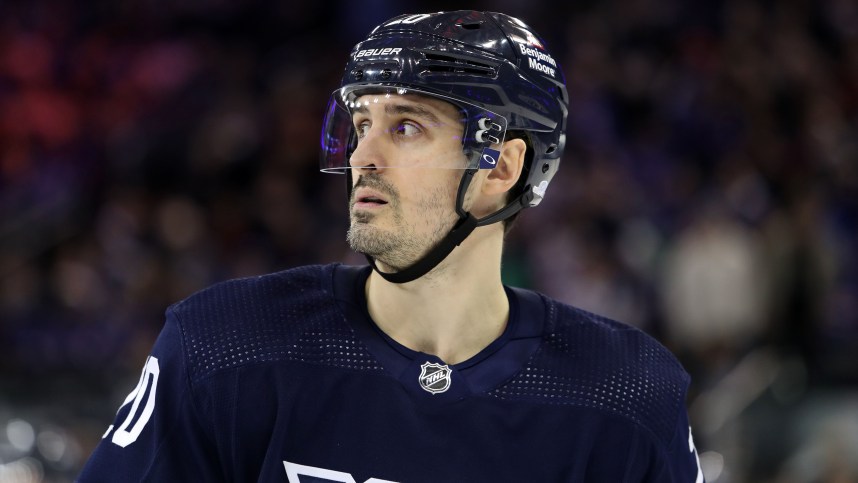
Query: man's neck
(454,311)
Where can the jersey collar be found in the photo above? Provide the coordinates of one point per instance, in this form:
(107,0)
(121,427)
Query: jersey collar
(486,370)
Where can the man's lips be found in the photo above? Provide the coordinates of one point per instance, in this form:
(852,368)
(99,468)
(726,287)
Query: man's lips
(368,198)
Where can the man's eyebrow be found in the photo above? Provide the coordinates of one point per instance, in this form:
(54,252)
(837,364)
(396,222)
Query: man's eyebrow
(419,111)
(399,109)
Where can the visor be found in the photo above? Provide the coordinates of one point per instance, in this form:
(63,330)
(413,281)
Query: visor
(467,138)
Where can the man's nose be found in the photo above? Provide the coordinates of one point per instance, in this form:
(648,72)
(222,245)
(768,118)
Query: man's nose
(369,152)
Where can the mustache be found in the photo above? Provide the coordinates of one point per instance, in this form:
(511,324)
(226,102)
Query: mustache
(377,183)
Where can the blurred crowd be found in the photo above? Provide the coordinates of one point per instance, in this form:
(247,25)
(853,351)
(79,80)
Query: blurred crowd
(708,194)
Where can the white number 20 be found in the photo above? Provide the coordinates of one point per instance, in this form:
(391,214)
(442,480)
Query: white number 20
(123,436)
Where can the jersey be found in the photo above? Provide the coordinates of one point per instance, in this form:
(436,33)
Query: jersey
(286,378)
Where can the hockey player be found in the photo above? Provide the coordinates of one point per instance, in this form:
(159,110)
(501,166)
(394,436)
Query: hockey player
(421,366)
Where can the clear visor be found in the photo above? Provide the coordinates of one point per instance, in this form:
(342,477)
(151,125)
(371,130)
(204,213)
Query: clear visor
(396,127)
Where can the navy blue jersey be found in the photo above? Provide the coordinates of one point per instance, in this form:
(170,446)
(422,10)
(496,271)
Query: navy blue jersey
(285,377)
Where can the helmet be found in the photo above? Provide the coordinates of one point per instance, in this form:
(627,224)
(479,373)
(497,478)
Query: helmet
(490,65)
(487,59)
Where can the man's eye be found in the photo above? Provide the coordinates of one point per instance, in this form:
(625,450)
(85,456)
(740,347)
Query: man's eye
(361,129)
(407,129)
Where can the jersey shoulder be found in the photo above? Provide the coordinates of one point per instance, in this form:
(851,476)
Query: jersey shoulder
(589,361)
(283,316)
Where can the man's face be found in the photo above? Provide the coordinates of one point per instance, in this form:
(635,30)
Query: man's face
(406,170)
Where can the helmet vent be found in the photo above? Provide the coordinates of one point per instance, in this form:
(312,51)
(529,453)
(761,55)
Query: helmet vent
(469,25)
(440,64)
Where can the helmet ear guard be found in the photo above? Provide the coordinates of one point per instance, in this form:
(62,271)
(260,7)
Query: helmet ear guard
(490,65)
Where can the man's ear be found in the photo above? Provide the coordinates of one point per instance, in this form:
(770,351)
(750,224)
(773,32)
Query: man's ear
(505,174)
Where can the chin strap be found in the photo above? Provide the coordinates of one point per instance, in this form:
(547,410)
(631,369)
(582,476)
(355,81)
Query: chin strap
(463,227)
(439,252)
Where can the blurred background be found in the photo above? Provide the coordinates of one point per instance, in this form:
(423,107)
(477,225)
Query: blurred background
(709,195)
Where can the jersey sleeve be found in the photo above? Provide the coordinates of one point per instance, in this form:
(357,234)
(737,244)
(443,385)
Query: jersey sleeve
(158,434)
(677,462)
(681,462)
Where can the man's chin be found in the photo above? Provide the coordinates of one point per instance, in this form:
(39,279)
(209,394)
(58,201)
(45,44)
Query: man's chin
(368,239)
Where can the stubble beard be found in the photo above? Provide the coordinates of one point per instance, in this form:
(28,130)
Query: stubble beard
(401,245)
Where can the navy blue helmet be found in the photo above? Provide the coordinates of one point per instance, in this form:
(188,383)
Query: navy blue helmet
(492,66)
(486,59)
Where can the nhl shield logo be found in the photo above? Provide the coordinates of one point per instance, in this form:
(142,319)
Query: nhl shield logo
(434,377)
